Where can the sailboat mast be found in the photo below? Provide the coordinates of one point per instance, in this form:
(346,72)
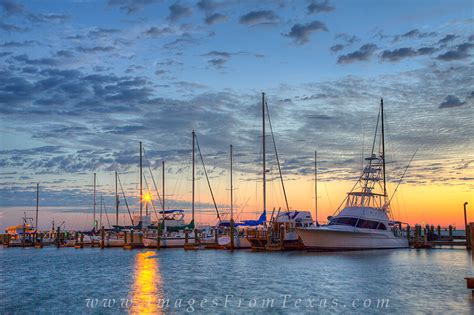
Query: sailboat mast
(94,200)
(263,155)
(163,184)
(316,185)
(192,204)
(383,150)
(100,216)
(37,206)
(116,200)
(141,184)
(231,188)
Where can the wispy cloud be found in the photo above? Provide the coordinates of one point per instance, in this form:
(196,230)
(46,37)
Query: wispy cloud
(362,54)
(259,17)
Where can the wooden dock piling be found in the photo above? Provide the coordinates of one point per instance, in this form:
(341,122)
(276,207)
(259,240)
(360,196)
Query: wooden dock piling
(102,237)
(58,237)
(158,238)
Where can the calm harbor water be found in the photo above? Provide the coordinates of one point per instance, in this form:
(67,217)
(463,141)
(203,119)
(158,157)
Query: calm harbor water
(175,281)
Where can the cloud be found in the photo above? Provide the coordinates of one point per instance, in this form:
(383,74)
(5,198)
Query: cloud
(131,6)
(414,34)
(447,38)
(459,52)
(318,7)
(10,7)
(219,58)
(183,40)
(347,39)
(49,17)
(208,5)
(301,32)
(158,31)
(362,54)
(337,48)
(96,49)
(215,18)
(217,62)
(178,11)
(100,32)
(12,28)
(39,61)
(18,44)
(215,53)
(259,17)
(451,101)
(405,52)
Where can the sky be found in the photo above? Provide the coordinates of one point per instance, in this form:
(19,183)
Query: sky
(82,82)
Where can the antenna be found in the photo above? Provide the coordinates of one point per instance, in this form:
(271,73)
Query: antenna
(383,151)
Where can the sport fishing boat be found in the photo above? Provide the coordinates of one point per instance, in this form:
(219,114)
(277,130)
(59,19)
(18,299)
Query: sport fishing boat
(364,222)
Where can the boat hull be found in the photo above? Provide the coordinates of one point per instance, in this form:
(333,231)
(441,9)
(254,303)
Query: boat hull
(167,242)
(240,242)
(331,240)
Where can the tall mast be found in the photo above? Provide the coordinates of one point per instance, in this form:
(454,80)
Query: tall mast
(100,216)
(383,150)
(263,155)
(192,204)
(163,179)
(141,184)
(37,205)
(231,188)
(94,201)
(316,185)
(116,200)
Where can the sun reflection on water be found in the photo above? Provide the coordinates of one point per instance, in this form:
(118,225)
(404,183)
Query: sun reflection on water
(146,290)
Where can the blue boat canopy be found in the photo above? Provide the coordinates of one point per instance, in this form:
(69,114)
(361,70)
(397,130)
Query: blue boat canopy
(260,221)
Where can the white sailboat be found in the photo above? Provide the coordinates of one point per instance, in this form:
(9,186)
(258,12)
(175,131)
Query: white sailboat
(364,222)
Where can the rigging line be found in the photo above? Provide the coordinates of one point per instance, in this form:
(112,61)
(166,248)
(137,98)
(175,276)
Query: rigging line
(153,178)
(403,175)
(276,155)
(347,195)
(106,215)
(373,148)
(376,129)
(207,178)
(125,198)
(151,201)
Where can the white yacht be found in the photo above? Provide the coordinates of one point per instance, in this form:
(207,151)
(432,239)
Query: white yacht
(364,222)
(172,227)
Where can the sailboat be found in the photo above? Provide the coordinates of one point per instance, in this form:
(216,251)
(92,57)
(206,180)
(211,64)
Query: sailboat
(171,229)
(364,222)
(279,233)
(235,238)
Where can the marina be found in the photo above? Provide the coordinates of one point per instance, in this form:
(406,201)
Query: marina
(236,157)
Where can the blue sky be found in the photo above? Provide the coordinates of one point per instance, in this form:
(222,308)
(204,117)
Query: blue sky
(82,81)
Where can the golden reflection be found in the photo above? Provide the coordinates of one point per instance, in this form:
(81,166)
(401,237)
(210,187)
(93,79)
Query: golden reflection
(147,290)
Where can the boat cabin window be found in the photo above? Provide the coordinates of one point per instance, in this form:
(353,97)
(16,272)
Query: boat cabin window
(344,221)
(367,224)
(381,226)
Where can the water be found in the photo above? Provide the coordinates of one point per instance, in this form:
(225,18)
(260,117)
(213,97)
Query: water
(74,281)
